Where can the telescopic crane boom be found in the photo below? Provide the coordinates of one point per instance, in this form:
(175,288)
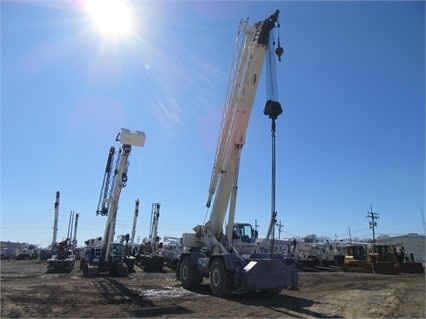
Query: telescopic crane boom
(55,220)
(74,242)
(135,218)
(251,46)
(155,215)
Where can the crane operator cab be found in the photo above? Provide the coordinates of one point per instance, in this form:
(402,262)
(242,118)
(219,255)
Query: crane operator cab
(244,238)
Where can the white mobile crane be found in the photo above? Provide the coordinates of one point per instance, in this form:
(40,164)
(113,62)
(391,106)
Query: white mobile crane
(209,252)
(101,254)
(61,256)
(149,256)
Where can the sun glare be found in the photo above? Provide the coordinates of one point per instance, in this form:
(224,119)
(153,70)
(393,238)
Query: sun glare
(111,17)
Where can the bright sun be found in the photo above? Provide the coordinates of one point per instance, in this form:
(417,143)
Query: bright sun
(112,17)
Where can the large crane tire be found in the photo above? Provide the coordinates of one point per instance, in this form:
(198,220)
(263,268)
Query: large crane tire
(221,280)
(90,270)
(123,270)
(189,275)
(86,270)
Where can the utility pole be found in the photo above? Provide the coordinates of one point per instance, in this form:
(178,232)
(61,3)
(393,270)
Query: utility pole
(279,229)
(350,237)
(255,225)
(373,222)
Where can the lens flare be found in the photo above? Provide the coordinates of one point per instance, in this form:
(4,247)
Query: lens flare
(111,17)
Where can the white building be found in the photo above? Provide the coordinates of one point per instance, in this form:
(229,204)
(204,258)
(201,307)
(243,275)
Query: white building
(414,245)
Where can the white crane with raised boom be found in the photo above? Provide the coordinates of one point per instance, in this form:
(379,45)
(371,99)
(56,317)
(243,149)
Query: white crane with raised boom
(209,252)
(102,255)
(149,256)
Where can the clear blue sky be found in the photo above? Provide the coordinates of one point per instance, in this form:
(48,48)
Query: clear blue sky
(351,81)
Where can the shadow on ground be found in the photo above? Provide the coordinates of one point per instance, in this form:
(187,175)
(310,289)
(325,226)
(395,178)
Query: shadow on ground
(280,303)
(115,292)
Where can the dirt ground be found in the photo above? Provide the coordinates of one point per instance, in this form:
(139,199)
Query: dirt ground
(28,291)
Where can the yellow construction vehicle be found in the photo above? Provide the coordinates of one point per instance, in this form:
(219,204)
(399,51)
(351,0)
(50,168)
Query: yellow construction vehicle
(406,264)
(357,258)
(384,259)
(380,259)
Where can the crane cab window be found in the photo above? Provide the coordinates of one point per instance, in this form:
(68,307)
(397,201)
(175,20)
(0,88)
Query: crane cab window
(236,233)
(244,232)
(117,249)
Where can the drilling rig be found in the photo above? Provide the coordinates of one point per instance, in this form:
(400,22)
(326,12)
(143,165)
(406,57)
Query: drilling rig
(209,252)
(102,255)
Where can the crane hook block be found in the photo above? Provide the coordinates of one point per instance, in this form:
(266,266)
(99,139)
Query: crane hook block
(272,109)
(279,52)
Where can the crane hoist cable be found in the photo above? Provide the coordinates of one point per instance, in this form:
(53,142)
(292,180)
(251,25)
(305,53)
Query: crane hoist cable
(272,109)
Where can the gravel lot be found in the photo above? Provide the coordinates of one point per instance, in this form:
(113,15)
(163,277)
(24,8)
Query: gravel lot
(28,291)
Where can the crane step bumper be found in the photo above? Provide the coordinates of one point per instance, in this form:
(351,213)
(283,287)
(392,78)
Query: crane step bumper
(267,275)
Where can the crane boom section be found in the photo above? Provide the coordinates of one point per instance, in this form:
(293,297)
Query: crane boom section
(135,217)
(249,55)
(228,115)
(155,215)
(113,208)
(55,221)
